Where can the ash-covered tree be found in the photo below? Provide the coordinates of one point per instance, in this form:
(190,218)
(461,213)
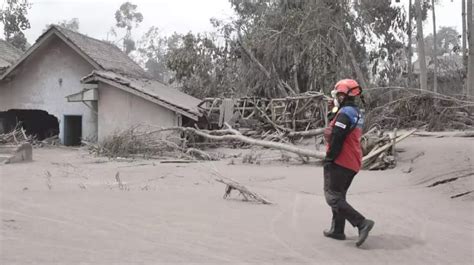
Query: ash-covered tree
(127,18)
(423,82)
(287,47)
(384,28)
(275,48)
(13,16)
(71,24)
(200,66)
(151,53)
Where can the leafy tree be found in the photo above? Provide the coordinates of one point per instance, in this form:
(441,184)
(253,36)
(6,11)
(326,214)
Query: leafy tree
(152,53)
(199,65)
(410,27)
(72,24)
(384,27)
(290,47)
(13,16)
(127,17)
(275,48)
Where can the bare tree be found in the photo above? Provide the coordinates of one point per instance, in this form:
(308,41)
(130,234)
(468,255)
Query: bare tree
(464,40)
(421,46)
(470,39)
(435,53)
(410,48)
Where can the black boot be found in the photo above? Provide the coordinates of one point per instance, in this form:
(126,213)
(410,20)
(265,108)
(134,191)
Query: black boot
(364,229)
(337,229)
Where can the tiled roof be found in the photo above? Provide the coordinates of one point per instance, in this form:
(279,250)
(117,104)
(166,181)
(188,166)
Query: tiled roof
(101,54)
(8,54)
(105,54)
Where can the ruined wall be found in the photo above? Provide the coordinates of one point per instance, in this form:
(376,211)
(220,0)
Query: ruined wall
(45,79)
(120,110)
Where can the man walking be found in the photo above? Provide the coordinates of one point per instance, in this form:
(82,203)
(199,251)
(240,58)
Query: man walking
(343,160)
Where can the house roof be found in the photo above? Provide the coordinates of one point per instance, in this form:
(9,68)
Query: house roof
(115,68)
(447,63)
(150,90)
(101,54)
(8,54)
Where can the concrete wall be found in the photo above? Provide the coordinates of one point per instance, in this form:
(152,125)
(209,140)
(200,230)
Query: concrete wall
(120,110)
(45,79)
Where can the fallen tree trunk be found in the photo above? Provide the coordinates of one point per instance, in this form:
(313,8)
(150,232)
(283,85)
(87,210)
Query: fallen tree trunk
(237,136)
(303,153)
(313,132)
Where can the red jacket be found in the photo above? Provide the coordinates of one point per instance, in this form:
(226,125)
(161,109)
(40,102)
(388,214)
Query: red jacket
(343,138)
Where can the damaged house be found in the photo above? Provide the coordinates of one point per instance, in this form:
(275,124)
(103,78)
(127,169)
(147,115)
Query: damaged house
(82,88)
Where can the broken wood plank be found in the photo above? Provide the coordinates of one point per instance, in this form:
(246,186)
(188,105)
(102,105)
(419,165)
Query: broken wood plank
(383,148)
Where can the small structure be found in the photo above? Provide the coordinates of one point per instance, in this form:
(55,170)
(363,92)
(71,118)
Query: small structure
(290,114)
(450,72)
(84,88)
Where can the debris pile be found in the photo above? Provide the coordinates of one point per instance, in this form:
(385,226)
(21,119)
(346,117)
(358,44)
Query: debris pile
(264,118)
(413,108)
(16,136)
(143,142)
(378,148)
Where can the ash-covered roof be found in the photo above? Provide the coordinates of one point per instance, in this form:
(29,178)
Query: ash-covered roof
(164,95)
(8,54)
(101,54)
(105,54)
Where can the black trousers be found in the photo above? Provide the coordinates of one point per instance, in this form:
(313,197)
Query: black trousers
(337,181)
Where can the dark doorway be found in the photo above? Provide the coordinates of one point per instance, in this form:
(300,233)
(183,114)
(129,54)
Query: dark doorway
(72,130)
(37,123)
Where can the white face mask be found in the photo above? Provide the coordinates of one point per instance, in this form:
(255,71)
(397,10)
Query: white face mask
(333,95)
(336,103)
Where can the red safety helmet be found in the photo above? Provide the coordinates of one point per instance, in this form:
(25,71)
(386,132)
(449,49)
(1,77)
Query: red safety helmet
(349,87)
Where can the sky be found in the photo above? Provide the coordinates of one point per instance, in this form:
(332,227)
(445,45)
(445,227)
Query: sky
(96,17)
(448,13)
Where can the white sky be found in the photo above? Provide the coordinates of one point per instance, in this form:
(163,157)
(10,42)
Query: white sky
(96,17)
(448,13)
